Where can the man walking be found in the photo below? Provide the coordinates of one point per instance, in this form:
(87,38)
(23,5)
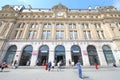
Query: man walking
(79,69)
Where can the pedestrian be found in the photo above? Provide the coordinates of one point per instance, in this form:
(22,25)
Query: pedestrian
(49,65)
(46,68)
(28,63)
(79,69)
(114,64)
(72,65)
(53,64)
(96,66)
(59,66)
(15,64)
(69,63)
(2,66)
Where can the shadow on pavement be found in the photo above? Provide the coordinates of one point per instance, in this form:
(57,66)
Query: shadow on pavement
(4,71)
(86,78)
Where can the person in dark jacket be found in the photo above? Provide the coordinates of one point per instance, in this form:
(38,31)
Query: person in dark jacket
(49,65)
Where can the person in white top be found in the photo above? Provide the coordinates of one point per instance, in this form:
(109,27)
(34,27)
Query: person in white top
(72,65)
(53,65)
(59,66)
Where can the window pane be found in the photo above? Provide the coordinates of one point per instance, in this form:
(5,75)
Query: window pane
(30,34)
(35,34)
(44,35)
(48,34)
(71,35)
(75,35)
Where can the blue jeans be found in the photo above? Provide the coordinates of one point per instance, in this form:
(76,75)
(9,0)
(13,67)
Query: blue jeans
(80,73)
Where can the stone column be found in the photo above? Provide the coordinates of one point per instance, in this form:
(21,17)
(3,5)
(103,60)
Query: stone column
(18,54)
(66,31)
(67,53)
(93,31)
(34,55)
(80,32)
(26,30)
(101,55)
(84,54)
(8,29)
(51,52)
(53,31)
(108,31)
(39,34)
(115,30)
(116,54)
(2,27)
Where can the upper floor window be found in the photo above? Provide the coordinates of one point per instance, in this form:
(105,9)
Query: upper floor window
(32,34)
(20,25)
(59,34)
(100,34)
(97,25)
(118,24)
(59,26)
(34,26)
(46,34)
(47,26)
(0,24)
(73,35)
(20,34)
(72,26)
(87,34)
(85,26)
(16,33)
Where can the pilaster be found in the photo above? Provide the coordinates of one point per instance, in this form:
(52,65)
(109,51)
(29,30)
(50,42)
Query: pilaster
(26,30)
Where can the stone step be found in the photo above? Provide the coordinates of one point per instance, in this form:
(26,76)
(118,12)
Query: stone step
(64,67)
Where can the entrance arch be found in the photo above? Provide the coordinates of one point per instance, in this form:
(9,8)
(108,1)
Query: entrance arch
(10,54)
(108,54)
(43,55)
(76,54)
(26,56)
(60,54)
(92,54)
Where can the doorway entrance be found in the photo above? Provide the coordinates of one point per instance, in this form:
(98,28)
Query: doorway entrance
(108,54)
(92,54)
(76,54)
(60,55)
(26,56)
(43,55)
(9,57)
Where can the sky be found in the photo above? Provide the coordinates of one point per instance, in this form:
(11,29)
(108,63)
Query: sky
(71,4)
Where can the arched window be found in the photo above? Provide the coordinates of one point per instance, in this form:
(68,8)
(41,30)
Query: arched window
(60,54)
(26,56)
(92,54)
(43,55)
(108,54)
(76,54)
(10,54)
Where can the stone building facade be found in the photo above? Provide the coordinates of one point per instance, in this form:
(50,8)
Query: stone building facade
(34,36)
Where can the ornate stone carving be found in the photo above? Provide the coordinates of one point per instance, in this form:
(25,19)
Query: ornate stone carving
(7,8)
(59,7)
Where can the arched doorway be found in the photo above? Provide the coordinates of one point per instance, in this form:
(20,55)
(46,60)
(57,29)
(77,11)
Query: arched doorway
(43,55)
(26,56)
(60,54)
(76,54)
(10,54)
(92,54)
(108,54)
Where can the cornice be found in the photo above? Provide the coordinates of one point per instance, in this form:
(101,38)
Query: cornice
(24,40)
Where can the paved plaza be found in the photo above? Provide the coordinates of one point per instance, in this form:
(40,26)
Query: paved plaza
(64,74)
